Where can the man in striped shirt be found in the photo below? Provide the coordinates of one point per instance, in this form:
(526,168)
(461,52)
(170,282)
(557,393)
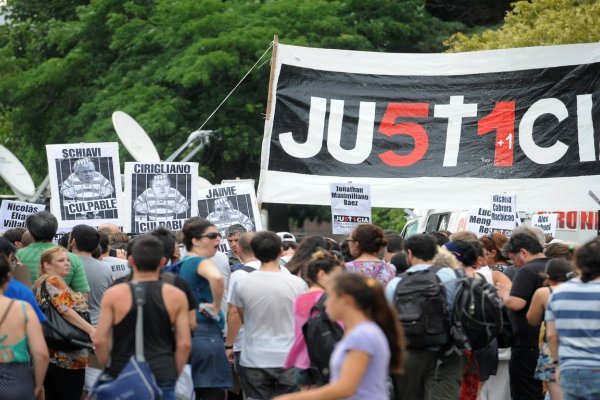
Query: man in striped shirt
(85,183)
(161,202)
(573,327)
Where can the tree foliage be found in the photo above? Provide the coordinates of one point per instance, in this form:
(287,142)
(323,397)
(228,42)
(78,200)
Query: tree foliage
(537,23)
(68,64)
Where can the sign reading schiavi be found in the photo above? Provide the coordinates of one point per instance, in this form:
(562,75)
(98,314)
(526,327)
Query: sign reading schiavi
(160,194)
(432,130)
(85,181)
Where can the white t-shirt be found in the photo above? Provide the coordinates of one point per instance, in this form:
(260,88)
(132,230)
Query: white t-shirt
(235,277)
(266,299)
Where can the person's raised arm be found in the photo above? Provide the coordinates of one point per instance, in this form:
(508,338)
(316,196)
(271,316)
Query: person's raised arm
(352,372)
(37,348)
(209,271)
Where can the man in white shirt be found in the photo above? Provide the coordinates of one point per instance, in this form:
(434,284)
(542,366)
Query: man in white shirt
(264,299)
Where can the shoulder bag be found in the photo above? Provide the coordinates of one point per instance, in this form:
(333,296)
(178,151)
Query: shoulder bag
(135,381)
(59,333)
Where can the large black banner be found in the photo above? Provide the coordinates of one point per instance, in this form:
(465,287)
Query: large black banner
(408,121)
(528,119)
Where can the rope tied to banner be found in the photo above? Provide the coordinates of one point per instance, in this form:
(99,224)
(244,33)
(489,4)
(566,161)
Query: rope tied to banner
(238,84)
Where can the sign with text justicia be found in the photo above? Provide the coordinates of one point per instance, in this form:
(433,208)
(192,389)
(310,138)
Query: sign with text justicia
(435,130)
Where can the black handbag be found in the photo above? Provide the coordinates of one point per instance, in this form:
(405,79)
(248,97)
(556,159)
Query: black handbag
(58,332)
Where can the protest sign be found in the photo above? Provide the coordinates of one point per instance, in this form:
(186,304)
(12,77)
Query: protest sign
(430,130)
(480,221)
(546,222)
(14,213)
(85,182)
(160,194)
(229,204)
(504,212)
(350,206)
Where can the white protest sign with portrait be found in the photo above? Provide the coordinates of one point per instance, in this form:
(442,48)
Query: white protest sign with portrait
(504,211)
(85,181)
(350,206)
(546,222)
(14,213)
(230,203)
(480,221)
(160,194)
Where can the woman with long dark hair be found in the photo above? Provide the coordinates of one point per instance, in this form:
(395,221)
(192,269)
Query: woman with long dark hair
(304,252)
(372,345)
(366,243)
(558,271)
(210,369)
(318,272)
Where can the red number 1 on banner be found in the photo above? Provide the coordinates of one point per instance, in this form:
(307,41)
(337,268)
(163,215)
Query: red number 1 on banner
(501,120)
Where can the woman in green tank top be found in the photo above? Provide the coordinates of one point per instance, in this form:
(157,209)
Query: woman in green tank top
(21,338)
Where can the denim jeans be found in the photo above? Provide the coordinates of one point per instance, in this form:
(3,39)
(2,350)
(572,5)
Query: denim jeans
(168,389)
(580,384)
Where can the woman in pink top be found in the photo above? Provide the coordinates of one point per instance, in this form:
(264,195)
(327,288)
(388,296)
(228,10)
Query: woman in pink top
(366,243)
(318,272)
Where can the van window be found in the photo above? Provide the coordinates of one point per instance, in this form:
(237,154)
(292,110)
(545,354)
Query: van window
(437,222)
(410,229)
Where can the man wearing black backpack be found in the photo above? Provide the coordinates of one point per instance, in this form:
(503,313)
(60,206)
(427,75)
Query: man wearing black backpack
(526,253)
(424,295)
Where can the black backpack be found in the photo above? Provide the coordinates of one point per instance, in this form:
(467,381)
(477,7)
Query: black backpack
(420,299)
(477,314)
(321,335)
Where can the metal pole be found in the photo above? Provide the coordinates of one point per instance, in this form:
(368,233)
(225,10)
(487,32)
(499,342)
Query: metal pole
(43,186)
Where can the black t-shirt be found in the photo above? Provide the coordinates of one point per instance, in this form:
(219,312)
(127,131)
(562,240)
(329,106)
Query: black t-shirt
(159,339)
(528,279)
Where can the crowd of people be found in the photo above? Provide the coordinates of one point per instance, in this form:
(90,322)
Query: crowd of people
(219,326)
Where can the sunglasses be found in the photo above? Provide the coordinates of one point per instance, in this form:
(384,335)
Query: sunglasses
(212,235)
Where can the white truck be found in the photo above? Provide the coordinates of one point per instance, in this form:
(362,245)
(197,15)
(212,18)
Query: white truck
(573,226)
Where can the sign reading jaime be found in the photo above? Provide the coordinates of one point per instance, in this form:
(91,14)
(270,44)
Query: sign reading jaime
(547,222)
(431,130)
(14,213)
(228,204)
(160,194)
(350,206)
(85,181)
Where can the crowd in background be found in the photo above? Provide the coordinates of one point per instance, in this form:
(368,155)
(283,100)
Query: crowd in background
(233,325)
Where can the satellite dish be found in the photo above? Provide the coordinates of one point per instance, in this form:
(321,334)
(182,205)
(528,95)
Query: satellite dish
(14,173)
(134,138)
